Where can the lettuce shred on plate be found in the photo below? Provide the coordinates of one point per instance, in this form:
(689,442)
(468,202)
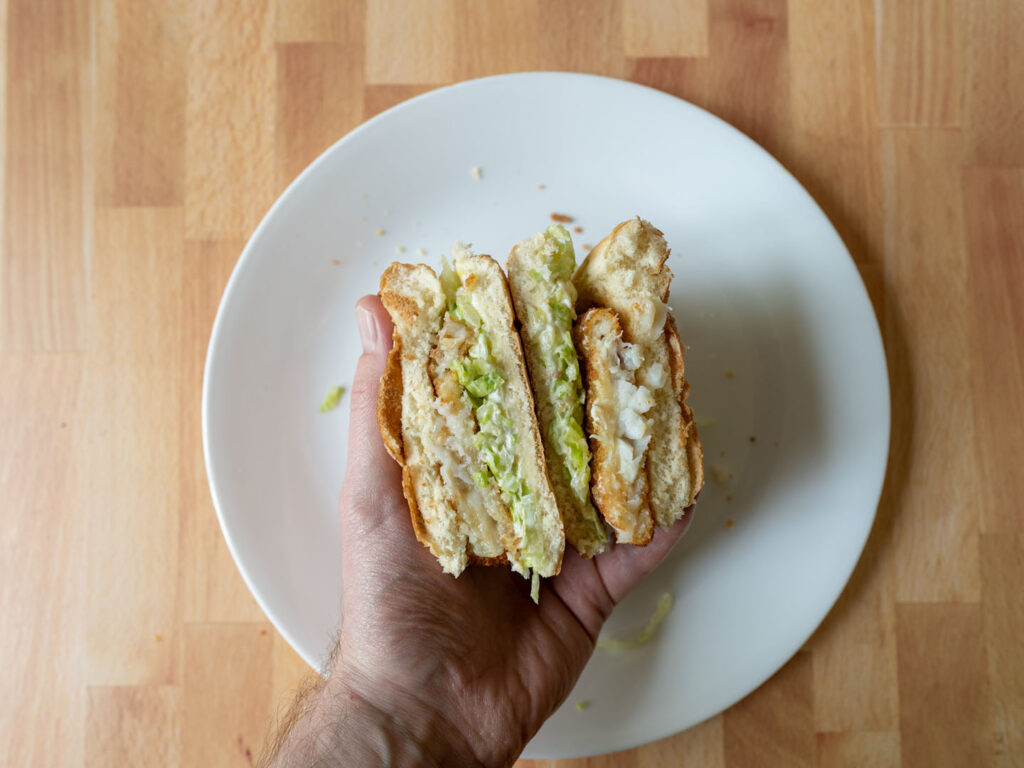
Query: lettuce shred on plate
(334,395)
(660,612)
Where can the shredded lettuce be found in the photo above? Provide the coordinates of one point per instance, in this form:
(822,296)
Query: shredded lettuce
(662,610)
(333,398)
(558,355)
(481,379)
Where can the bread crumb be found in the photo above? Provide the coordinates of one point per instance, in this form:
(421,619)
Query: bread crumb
(542,186)
(263,632)
(335,262)
(578,230)
(421,252)
(720,475)
(728,373)
(586,247)
(380,233)
(399,249)
(728,497)
(476,173)
(752,439)
(158,638)
(362,218)
(561,218)
(729,523)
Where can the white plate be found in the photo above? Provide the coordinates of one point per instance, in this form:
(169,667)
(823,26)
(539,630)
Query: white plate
(764,290)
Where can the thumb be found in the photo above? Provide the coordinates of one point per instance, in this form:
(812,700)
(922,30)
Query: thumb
(372,477)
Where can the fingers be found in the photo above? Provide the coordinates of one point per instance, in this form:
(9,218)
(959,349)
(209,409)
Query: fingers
(372,478)
(625,566)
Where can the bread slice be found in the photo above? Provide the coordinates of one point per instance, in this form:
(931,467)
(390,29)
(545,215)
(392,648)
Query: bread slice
(429,423)
(626,272)
(540,278)
(618,426)
(457,520)
(413,297)
(487,290)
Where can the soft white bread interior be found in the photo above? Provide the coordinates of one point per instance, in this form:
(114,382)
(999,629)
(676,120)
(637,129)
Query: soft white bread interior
(627,272)
(540,278)
(487,289)
(618,426)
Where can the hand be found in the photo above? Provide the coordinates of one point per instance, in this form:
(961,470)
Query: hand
(465,670)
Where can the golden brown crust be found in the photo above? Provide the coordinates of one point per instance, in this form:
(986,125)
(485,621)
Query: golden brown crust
(501,559)
(389,403)
(633,526)
(681,387)
(401,308)
(419,527)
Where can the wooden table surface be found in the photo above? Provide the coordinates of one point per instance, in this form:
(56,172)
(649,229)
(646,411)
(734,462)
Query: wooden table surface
(144,139)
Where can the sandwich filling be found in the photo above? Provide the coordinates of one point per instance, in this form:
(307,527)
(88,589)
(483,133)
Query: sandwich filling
(464,359)
(633,427)
(551,314)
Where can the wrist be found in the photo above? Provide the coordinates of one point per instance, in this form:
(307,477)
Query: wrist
(380,723)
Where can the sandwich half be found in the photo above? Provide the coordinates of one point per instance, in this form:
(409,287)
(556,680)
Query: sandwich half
(456,412)
(636,387)
(540,277)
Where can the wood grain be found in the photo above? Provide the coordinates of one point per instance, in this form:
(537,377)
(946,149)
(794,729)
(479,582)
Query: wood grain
(921,62)
(133,725)
(924,229)
(140,103)
(655,28)
(775,726)
(43,273)
(142,142)
(994,197)
(944,692)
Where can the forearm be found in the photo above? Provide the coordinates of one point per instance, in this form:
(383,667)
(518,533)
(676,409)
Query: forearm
(337,725)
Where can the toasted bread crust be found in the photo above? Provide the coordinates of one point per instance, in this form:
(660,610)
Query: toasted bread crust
(688,434)
(389,403)
(419,527)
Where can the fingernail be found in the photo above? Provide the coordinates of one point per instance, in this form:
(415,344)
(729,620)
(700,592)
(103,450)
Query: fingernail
(369,333)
